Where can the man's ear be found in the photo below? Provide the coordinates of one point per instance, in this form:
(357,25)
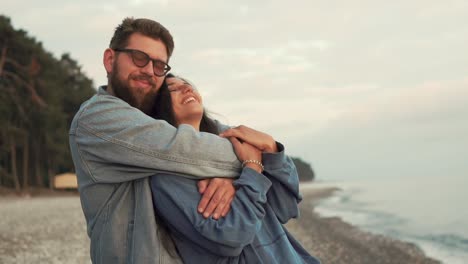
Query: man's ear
(108,60)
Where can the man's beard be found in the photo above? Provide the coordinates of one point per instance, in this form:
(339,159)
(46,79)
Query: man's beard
(135,98)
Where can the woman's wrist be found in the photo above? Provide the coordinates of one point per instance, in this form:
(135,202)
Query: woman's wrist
(254,164)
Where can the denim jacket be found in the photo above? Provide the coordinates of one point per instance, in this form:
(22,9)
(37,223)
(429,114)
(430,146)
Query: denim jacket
(252,232)
(115,148)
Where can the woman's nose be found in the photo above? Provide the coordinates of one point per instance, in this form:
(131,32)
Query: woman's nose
(186,88)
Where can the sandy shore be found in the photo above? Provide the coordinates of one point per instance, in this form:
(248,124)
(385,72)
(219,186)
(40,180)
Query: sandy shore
(334,241)
(48,229)
(51,229)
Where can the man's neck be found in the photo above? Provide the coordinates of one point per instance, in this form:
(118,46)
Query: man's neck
(110,90)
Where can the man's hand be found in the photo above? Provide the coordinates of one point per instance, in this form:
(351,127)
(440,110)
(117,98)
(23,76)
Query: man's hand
(217,197)
(260,140)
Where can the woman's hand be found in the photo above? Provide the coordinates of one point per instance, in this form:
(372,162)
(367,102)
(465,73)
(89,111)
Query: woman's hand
(246,151)
(260,140)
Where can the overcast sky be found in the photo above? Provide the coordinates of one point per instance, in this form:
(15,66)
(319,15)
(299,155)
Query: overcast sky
(359,89)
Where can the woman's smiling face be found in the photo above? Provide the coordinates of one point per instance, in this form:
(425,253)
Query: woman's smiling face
(187,103)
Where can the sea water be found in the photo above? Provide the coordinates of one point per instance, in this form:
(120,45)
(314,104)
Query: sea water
(431,212)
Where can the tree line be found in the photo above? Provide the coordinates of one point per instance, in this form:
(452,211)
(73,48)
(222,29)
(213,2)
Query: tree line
(304,170)
(39,96)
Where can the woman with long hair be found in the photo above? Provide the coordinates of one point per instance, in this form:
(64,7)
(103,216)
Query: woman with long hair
(267,194)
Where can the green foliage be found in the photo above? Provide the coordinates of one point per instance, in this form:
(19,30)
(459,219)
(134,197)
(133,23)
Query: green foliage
(39,96)
(304,169)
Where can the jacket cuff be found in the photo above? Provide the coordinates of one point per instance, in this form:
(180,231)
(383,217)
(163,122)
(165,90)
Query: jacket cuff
(274,161)
(255,180)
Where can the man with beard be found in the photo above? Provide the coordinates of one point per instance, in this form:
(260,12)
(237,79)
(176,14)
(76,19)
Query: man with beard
(116,147)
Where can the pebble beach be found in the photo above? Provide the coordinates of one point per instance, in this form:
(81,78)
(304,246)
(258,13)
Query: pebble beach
(336,242)
(51,229)
(45,229)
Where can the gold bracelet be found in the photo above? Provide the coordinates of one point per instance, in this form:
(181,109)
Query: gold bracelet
(253,161)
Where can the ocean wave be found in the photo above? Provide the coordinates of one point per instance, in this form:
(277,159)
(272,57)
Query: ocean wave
(449,240)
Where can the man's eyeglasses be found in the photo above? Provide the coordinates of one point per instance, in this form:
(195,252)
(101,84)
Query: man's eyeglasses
(141,59)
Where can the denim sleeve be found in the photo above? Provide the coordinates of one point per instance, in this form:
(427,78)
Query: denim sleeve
(176,200)
(118,143)
(283,195)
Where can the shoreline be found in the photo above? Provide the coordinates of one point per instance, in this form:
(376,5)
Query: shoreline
(335,241)
(24,237)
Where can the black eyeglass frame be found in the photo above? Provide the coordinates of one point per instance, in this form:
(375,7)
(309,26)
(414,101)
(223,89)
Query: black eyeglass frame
(155,62)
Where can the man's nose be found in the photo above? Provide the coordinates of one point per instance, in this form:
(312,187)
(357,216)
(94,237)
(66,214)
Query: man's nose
(148,69)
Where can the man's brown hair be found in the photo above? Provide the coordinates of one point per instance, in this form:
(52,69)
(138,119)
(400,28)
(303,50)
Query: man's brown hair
(144,26)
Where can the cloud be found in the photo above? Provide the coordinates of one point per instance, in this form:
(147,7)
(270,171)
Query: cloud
(349,87)
(426,101)
(146,2)
(269,61)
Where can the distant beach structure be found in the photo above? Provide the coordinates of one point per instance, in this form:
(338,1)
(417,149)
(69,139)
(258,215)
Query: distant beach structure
(65,181)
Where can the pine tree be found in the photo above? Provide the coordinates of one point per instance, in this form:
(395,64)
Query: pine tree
(39,96)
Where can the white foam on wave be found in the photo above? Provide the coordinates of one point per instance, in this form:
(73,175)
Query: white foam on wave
(401,211)
(444,254)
